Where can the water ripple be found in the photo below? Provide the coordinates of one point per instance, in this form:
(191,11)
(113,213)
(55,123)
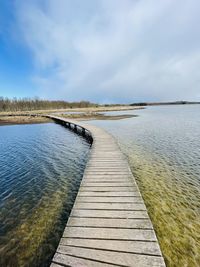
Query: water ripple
(163,147)
(41,167)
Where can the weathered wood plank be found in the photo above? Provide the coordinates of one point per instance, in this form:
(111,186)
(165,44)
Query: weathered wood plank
(110,214)
(107,194)
(111,233)
(110,206)
(103,184)
(107,189)
(56,265)
(110,223)
(94,199)
(114,177)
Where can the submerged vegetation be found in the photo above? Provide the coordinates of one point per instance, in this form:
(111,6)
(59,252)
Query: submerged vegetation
(173,208)
(30,238)
(163,148)
(38,185)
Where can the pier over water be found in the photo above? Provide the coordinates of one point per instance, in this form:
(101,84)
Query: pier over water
(109,224)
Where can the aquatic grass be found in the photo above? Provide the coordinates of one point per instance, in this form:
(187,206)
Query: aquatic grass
(173,209)
(27,239)
(41,168)
(163,148)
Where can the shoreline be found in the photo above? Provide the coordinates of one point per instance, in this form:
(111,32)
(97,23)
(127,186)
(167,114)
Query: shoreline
(29,117)
(22,120)
(71,110)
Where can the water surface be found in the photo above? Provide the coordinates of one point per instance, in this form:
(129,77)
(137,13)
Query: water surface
(163,148)
(41,167)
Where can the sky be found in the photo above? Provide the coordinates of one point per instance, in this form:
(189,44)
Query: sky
(105,51)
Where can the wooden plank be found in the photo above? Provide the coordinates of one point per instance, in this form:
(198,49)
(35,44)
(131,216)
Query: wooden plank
(106,167)
(110,223)
(117,199)
(110,234)
(107,189)
(110,206)
(110,214)
(55,265)
(107,194)
(114,177)
(114,163)
(103,184)
(108,182)
(107,171)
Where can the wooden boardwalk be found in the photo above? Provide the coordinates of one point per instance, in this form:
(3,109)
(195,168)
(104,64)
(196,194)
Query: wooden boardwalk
(109,224)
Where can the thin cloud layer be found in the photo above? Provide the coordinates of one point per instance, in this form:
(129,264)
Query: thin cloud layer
(113,51)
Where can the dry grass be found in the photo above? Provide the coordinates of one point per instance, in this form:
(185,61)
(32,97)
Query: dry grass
(29,117)
(85,110)
(8,120)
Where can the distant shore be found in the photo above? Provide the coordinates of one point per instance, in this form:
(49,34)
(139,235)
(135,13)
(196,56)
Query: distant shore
(92,113)
(89,113)
(165,103)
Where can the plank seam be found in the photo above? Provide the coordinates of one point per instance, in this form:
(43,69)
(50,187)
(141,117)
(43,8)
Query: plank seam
(112,250)
(127,218)
(111,239)
(60,264)
(108,209)
(110,227)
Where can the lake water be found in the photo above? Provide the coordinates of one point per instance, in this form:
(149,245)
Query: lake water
(41,167)
(163,147)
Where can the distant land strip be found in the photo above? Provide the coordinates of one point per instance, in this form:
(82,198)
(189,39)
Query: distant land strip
(164,103)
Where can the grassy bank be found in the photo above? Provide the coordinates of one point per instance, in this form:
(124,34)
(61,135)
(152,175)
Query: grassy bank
(90,113)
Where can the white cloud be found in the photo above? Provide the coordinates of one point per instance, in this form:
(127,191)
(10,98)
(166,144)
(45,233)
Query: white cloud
(114,50)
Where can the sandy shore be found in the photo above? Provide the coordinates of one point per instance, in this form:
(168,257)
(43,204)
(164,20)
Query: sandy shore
(9,120)
(85,110)
(28,117)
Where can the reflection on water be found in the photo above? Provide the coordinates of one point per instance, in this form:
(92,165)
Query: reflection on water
(163,147)
(40,171)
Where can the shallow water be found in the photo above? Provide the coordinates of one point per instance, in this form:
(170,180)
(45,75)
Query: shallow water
(163,148)
(41,167)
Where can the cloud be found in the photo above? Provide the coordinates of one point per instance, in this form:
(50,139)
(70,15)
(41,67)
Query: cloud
(116,51)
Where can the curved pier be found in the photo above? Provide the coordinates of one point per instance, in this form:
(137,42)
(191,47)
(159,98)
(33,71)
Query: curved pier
(109,224)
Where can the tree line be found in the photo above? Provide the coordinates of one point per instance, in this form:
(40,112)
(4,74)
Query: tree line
(182,102)
(29,104)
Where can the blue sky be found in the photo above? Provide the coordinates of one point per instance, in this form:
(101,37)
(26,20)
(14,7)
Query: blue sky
(15,59)
(102,51)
